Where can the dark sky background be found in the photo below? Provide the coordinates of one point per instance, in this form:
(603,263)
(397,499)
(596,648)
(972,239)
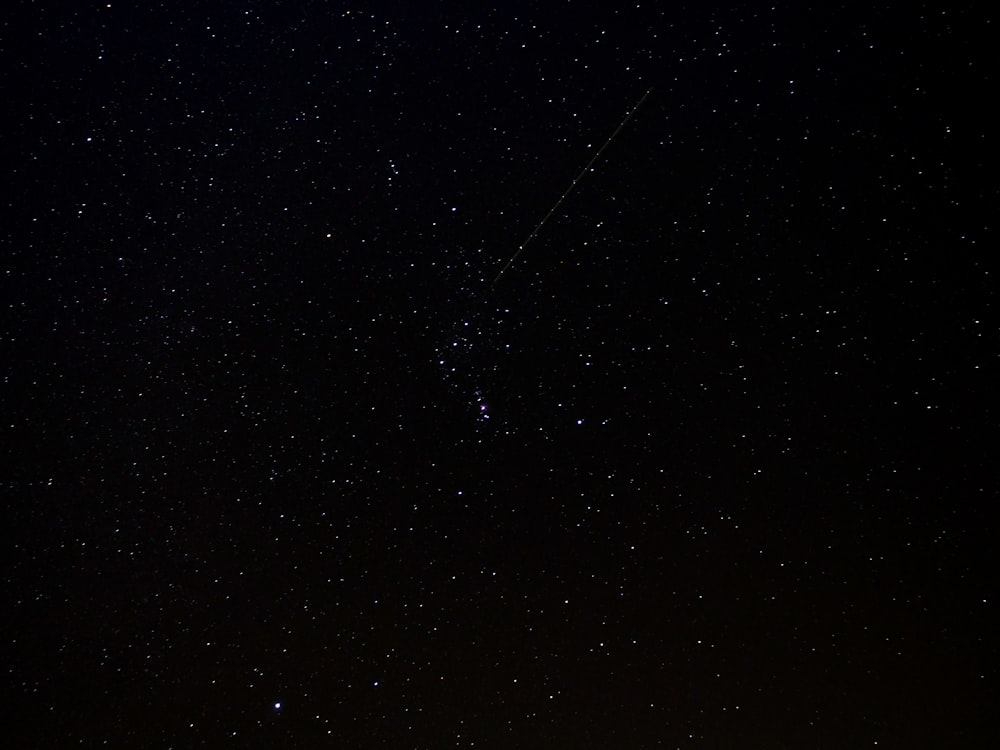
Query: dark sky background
(708,467)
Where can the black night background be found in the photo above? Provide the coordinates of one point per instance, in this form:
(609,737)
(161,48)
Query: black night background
(708,466)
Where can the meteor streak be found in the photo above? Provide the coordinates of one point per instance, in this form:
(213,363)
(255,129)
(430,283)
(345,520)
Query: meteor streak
(569,190)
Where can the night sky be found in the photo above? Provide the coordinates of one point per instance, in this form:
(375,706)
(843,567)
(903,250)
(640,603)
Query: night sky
(712,464)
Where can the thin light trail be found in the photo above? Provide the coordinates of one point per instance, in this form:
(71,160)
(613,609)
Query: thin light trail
(555,206)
